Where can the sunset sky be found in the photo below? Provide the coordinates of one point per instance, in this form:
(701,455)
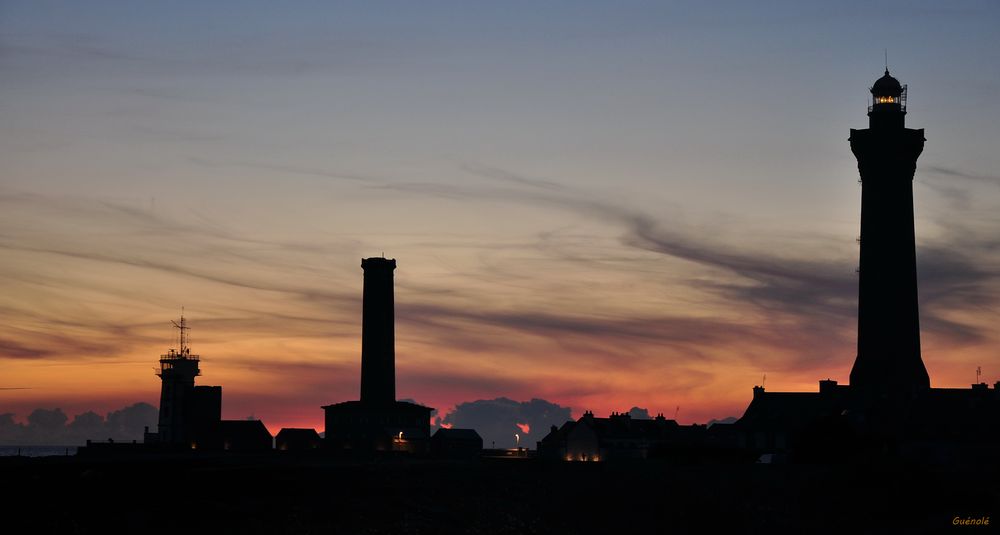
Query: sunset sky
(598,204)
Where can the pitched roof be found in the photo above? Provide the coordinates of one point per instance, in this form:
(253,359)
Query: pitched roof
(243,428)
(297,432)
(788,410)
(457,434)
(623,427)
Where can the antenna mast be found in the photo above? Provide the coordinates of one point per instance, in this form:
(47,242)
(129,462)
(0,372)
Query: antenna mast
(182,326)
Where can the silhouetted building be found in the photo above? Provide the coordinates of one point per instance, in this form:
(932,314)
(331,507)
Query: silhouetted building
(178,368)
(399,426)
(204,411)
(778,422)
(245,436)
(889,407)
(456,443)
(622,437)
(377,422)
(191,416)
(297,439)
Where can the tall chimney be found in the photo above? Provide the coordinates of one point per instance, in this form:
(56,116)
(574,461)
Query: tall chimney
(378,340)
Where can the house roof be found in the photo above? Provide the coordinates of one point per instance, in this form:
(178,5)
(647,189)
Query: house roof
(457,434)
(625,427)
(297,432)
(243,428)
(789,410)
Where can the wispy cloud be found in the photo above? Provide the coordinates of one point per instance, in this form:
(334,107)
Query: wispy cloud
(288,169)
(501,175)
(670,300)
(958,173)
(814,291)
(16,350)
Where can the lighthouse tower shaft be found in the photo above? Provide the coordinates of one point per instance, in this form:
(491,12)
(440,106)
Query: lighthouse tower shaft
(888,360)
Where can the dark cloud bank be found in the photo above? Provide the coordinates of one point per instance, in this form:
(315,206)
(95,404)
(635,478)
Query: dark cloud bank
(51,427)
(497,420)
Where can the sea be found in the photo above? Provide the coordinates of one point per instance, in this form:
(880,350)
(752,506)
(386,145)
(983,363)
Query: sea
(37,451)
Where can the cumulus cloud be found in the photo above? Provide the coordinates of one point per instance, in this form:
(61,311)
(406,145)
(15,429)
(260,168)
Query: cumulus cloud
(498,420)
(639,413)
(52,427)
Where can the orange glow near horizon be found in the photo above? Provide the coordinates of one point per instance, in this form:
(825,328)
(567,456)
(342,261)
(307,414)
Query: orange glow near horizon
(262,379)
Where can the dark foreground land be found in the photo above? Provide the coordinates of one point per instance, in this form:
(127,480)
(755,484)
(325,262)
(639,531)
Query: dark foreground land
(287,495)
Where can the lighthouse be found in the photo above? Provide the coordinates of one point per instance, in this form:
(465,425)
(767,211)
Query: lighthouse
(889,409)
(888,362)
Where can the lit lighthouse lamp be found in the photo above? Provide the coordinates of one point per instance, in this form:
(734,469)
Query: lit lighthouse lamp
(888,102)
